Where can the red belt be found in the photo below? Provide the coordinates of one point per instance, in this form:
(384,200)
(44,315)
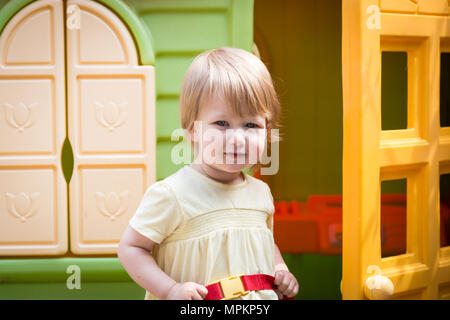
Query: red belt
(236,286)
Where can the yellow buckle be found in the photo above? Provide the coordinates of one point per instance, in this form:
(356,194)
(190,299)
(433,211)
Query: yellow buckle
(232,287)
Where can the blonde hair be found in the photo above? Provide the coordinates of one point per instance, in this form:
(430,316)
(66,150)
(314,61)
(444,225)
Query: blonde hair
(238,76)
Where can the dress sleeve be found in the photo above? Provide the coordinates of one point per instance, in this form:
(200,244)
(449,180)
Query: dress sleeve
(158,213)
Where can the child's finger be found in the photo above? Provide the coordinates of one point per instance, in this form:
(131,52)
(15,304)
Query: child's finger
(278,277)
(290,289)
(284,283)
(296,289)
(196,295)
(279,294)
(202,291)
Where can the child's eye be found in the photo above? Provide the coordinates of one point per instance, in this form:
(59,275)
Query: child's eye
(251,125)
(221,123)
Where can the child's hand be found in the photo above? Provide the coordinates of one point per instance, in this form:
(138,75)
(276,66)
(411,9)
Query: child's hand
(286,283)
(187,291)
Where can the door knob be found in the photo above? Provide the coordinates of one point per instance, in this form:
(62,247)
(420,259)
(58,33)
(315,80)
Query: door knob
(377,286)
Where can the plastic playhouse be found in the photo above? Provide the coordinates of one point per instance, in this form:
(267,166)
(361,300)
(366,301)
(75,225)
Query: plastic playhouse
(89,100)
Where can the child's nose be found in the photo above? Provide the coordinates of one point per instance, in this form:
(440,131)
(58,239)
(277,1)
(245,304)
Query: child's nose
(235,137)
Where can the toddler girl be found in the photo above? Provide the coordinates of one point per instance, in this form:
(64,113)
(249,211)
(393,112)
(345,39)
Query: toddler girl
(206,231)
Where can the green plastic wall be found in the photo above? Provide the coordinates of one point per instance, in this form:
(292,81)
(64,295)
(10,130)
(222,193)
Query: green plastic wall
(47,278)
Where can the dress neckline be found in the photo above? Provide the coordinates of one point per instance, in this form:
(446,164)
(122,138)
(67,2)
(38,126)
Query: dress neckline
(217,183)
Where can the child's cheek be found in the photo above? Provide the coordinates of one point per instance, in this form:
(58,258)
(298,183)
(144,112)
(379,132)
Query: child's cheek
(256,143)
(213,146)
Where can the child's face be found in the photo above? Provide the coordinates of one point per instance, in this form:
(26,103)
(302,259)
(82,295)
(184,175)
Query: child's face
(226,141)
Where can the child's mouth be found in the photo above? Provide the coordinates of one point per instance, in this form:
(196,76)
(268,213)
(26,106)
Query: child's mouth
(235,155)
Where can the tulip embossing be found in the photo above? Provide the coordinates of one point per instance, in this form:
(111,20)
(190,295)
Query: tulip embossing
(22,206)
(20,116)
(112,205)
(111,115)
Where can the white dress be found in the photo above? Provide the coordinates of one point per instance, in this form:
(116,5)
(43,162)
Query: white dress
(207,230)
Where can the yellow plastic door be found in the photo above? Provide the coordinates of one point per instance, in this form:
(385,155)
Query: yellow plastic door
(419,153)
(33,201)
(111,108)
